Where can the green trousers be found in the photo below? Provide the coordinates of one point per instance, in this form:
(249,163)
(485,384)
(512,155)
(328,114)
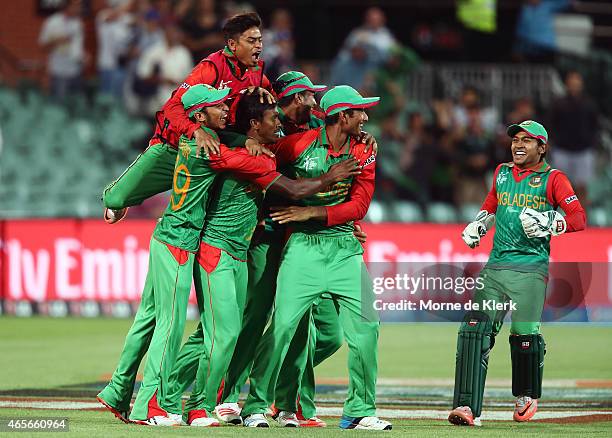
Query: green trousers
(158,328)
(149,174)
(221,287)
(312,265)
(527,290)
(297,374)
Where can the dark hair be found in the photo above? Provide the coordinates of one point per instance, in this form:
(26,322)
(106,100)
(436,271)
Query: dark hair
(236,25)
(334,118)
(248,108)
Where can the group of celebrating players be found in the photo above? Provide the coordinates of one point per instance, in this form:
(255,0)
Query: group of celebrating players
(275,301)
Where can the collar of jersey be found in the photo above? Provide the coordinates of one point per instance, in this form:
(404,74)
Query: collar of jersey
(235,64)
(330,152)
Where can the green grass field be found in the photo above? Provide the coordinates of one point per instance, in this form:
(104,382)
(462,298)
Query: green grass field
(42,355)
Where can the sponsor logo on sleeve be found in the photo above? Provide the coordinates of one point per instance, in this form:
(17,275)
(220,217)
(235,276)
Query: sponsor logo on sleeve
(368,161)
(571,199)
(185,85)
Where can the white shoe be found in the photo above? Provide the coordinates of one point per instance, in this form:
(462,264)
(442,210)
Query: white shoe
(178,418)
(255,420)
(229,413)
(205,422)
(158,420)
(371,423)
(287,419)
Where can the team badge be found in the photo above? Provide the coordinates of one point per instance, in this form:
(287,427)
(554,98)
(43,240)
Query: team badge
(535,181)
(310,163)
(184,148)
(501,178)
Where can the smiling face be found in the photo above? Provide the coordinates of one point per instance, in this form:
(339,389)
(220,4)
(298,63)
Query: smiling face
(354,122)
(306,101)
(213,117)
(247,47)
(526,150)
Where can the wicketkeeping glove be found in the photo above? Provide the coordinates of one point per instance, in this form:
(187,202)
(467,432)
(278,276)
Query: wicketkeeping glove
(537,224)
(475,230)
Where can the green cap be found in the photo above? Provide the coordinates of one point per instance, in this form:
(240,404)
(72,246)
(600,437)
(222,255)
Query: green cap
(294,82)
(534,129)
(343,97)
(202,95)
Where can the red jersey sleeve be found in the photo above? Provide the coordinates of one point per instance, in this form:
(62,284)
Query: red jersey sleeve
(203,73)
(360,195)
(259,170)
(560,193)
(490,202)
(288,148)
(265,83)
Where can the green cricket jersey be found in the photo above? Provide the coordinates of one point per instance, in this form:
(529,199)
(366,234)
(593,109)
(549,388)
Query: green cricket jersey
(512,249)
(194,174)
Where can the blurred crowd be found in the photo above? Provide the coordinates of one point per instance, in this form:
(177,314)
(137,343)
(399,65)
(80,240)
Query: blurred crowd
(442,151)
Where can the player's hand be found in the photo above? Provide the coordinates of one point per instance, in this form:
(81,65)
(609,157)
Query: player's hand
(343,170)
(206,142)
(369,141)
(255,148)
(264,95)
(475,230)
(359,234)
(536,224)
(283,215)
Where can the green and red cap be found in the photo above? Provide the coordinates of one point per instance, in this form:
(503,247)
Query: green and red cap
(342,98)
(202,95)
(294,82)
(532,128)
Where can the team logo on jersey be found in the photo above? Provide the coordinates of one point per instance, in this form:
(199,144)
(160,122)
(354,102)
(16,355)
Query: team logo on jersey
(501,178)
(535,181)
(310,163)
(571,199)
(369,161)
(184,148)
(224,84)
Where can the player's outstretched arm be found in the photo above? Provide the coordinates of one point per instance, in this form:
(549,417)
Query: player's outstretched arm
(302,188)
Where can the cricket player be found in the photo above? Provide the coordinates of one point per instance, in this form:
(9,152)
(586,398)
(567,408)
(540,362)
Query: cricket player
(239,67)
(159,322)
(523,201)
(323,256)
(296,102)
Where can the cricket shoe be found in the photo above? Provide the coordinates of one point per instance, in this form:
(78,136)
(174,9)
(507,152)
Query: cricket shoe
(371,423)
(255,420)
(287,419)
(178,418)
(229,413)
(462,416)
(309,422)
(525,408)
(200,418)
(112,216)
(158,420)
(122,415)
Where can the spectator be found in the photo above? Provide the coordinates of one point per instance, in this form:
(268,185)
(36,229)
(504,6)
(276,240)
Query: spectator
(376,36)
(470,99)
(535,31)
(201,27)
(473,157)
(62,36)
(279,44)
(164,66)
(574,132)
(114,26)
(353,64)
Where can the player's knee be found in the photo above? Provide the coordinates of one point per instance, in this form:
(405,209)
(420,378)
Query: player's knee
(525,328)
